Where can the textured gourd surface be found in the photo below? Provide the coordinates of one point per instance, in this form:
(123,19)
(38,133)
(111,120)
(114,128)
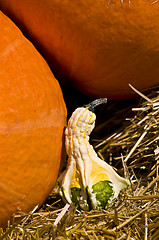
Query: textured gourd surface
(32,119)
(100,46)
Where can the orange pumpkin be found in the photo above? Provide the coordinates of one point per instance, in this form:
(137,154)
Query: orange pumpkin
(32,119)
(100,46)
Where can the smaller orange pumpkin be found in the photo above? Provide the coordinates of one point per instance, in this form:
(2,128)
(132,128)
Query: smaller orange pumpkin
(32,119)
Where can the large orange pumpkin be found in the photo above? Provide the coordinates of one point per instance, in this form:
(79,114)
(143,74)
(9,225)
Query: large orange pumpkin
(32,119)
(100,46)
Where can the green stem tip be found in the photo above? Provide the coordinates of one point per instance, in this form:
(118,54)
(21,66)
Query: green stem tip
(95,103)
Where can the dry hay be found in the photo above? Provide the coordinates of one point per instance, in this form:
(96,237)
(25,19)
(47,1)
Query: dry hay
(133,149)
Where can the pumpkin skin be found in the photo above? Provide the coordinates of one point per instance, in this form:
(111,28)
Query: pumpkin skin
(32,119)
(99,47)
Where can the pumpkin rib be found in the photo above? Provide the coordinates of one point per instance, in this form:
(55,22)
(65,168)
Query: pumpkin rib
(32,121)
(98,46)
